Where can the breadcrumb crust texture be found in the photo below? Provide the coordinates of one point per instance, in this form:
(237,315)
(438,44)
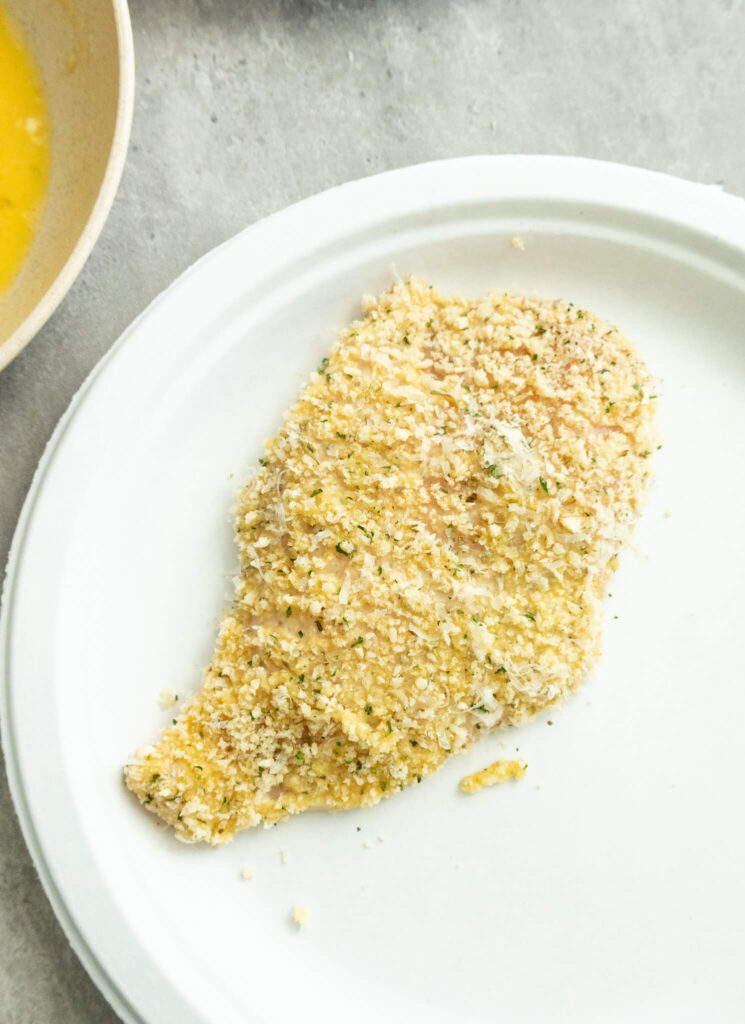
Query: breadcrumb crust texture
(424,551)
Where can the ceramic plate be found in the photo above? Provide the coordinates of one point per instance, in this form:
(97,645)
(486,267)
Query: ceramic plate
(607,885)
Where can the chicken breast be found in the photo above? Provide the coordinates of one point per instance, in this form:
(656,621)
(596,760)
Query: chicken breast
(424,552)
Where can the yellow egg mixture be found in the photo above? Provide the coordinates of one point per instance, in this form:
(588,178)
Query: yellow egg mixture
(24,150)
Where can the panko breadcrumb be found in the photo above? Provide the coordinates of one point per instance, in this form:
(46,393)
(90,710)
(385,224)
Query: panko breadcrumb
(499,771)
(167,699)
(424,551)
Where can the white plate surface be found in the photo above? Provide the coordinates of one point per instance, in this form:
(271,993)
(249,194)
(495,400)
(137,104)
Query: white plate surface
(608,885)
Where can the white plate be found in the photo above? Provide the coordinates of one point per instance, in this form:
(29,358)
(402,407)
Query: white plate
(608,885)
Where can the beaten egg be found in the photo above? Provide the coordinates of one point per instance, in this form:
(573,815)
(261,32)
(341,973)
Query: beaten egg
(24,150)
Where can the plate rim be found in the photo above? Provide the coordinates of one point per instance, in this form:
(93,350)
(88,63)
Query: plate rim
(705,208)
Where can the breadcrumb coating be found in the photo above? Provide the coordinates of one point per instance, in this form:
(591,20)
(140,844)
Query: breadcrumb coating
(424,552)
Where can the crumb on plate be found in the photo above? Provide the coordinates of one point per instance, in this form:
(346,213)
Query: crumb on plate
(500,771)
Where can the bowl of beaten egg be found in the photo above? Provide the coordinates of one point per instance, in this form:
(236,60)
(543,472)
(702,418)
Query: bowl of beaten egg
(66,95)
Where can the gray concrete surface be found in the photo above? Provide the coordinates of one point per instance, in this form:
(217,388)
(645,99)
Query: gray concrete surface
(244,106)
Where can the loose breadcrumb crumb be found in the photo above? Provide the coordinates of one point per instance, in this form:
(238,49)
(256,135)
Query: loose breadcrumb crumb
(425,548)
(284,856)
(516,242)
(499,771)
(300,914)
(247,873)
(167,699)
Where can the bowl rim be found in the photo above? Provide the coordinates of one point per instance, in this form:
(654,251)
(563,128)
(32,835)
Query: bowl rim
(22,335)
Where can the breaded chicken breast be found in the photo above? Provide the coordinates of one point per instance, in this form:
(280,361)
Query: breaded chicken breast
(424,552)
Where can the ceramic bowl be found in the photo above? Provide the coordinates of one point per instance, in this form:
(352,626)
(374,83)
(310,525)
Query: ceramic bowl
(83,49)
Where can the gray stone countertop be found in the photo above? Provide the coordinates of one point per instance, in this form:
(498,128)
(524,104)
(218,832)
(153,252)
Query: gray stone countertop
(244,106)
